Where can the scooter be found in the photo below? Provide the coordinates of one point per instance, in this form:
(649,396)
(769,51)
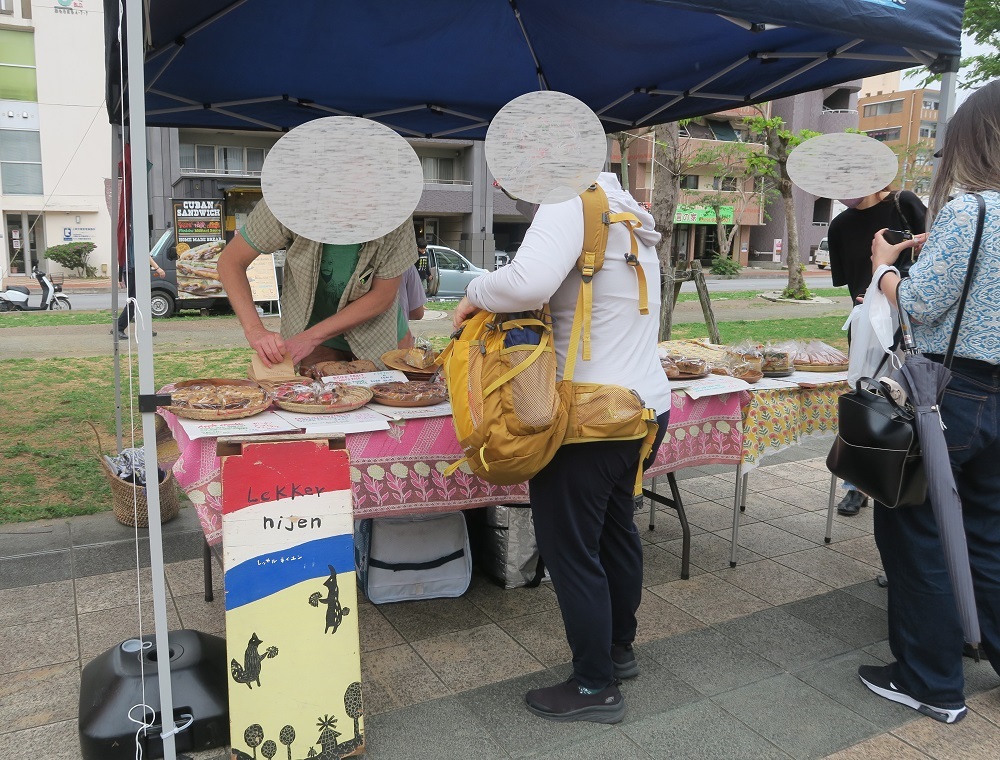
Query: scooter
(15,297)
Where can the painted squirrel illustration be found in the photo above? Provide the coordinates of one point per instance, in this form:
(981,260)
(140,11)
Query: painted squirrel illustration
(334,612)
(250,670)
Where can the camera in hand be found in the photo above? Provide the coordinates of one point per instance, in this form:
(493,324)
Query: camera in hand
(895,237)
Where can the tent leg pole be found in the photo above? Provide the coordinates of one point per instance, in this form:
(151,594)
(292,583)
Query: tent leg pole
(143,329)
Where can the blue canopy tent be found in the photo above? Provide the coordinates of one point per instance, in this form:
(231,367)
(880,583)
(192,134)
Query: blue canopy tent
(443,68)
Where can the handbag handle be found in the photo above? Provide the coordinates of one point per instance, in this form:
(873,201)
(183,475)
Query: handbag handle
(882,393)
(904,318)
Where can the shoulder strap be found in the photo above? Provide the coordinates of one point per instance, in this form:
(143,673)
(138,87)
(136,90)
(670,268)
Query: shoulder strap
(968,280)
(597,218)
(899,210)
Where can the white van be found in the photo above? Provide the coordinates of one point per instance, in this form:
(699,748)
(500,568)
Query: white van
(823,254)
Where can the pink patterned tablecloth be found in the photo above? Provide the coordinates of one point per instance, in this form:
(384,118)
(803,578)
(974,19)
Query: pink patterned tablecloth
(400,471)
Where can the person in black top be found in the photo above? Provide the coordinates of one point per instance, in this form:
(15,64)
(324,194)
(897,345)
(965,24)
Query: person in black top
(850,240)
(851,232)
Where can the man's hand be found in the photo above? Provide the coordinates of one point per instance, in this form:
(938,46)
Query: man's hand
(269,345)
(158,272)
(301,345)
(463,311)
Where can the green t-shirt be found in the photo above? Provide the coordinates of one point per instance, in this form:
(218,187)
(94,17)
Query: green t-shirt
(335,271)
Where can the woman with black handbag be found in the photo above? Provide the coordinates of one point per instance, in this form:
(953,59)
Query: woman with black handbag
(925,634)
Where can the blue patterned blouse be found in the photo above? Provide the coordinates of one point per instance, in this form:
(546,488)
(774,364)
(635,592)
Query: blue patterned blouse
(930,294)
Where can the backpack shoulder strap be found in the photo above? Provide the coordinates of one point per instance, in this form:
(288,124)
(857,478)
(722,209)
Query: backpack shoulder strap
(595,243)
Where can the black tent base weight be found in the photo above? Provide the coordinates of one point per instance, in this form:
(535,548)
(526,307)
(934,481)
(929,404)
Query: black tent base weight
(111,684)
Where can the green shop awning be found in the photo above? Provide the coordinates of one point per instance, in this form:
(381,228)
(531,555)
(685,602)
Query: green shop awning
(702,215)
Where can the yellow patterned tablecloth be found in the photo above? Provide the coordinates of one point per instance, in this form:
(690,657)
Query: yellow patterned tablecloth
(777,418)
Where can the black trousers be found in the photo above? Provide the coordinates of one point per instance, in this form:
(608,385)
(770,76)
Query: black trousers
(583,509)
(127,314)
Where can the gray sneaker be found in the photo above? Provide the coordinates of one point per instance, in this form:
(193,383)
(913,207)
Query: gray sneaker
(852,503)
(623,658)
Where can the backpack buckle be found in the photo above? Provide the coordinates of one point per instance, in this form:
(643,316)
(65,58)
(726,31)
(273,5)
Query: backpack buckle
(631,259)
(587,272)
(606,218)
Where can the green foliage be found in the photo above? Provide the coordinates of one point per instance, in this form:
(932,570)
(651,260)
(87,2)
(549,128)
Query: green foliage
(826,329)
(725,266)
(799,294)
(73,256)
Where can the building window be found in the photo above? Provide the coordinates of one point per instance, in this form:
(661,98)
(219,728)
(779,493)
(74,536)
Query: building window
(838,100)
(689,182)
(932,105)
(884,109)
(7,7)
(885,135)
(822,208)
(438,170)
(17,66)
(727,184)
(221,159)
(20,162)
(928,129)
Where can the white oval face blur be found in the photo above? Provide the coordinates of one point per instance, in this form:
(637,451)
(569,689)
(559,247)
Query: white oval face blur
(342,180)
(842,165)
(546,147)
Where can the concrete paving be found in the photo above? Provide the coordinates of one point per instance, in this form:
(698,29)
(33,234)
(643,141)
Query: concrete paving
(757,661)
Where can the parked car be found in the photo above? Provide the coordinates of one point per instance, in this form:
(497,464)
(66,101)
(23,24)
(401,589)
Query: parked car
(823,254)
(455,272)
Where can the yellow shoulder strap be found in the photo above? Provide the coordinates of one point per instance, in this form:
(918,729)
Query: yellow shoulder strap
(595,243)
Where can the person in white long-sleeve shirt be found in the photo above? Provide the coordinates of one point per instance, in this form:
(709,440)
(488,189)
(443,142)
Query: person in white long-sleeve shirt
(581,501)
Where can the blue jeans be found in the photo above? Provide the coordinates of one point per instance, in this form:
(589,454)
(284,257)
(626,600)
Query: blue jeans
(925,634)
(582,508)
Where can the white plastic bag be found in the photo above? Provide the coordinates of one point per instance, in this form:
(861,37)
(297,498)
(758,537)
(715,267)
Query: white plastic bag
(873,324)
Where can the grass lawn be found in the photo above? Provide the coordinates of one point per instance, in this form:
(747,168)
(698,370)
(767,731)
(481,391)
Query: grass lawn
(48,457)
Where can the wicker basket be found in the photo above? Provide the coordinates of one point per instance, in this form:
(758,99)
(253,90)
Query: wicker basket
(129,501)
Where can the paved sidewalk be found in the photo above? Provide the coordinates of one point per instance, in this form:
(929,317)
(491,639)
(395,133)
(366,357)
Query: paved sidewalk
(756,661)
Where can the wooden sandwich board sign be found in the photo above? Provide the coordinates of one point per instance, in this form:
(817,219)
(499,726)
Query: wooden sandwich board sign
(291,598)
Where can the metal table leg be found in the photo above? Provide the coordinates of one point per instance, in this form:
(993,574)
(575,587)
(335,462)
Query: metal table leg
(675,503)
(739,505)
(829,509)
(652,507)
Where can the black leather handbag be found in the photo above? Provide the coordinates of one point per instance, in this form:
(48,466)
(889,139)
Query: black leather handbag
(877,448)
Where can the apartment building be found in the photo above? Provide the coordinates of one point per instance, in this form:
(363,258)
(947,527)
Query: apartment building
(906,121)
(55,140)
(459,208)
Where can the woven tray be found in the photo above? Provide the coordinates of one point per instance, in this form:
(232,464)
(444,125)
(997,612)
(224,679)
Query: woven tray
(693,350)
(193,413)
(356,397)
(821,367)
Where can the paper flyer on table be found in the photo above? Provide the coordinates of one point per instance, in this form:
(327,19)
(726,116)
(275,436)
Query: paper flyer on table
(812,379)
(412,413)
(259,424)
(713,385)
(770,383)
(356,421)
(368,378)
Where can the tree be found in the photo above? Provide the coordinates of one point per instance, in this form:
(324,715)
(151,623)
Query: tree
(73,256)
(269,749)
(286,736)
(625,140)
(667,166)
(354,705)
(253,736)
(779,142)
(741,171)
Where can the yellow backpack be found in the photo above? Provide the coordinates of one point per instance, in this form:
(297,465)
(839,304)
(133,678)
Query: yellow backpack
(509,412)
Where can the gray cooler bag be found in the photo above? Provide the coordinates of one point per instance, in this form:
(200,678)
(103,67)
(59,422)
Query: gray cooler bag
(418,557)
